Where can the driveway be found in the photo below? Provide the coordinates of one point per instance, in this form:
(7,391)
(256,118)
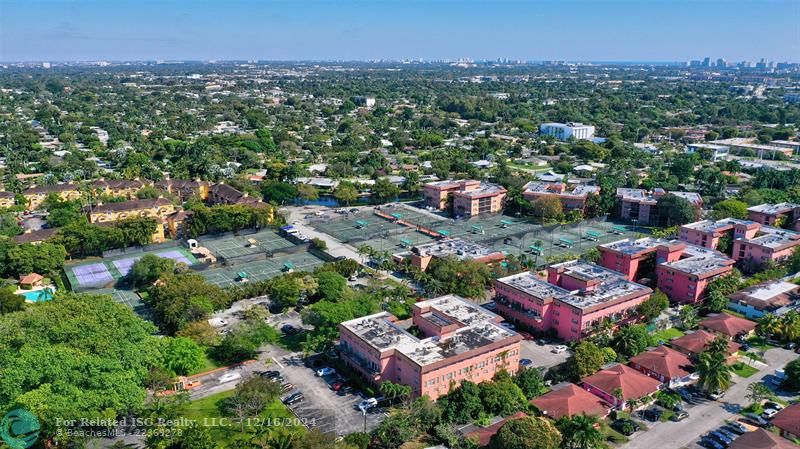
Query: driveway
(322,407)
(708,415)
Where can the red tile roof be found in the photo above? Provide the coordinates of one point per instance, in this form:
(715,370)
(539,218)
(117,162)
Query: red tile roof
(761,439)
(788,419)
(664,361)
(570,401)
(31,278)
(695,342)
(632,383)
(484,434)
(728,324)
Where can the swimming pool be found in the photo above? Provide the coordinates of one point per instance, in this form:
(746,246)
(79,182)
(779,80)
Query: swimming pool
(38,295)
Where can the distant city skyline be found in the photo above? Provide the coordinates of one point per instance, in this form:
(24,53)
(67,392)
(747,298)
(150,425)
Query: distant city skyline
(536,30)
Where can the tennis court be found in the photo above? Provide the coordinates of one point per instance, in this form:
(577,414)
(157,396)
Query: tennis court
(102,273)
(261,269)
(231,246)
(361,226)
(398,242)
(125,297)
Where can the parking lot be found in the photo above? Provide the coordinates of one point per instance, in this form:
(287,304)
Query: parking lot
(322,407)
(542,356)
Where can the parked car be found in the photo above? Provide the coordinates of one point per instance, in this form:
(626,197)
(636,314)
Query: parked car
(737,427)
(270,374)
(744,347)
(345,390)
(525,363)
(558,349)
(790,345)
(650,414)
(624,426)
(710,443)
(326,371)
(774,405)
(490,306)
(294,399)
(336,386)
(727,433)
(367,404)
(288,329)
(541,342)
(722,438)
(508,326)
(757,420)
(287,387)
(229,377)
(684,394)
(679,415)
(716,395)
(769,413)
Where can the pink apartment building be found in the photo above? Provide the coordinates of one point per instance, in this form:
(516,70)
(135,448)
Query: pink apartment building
(769,214)
(682,271)
(572,196)
(470,197)
(462,341)
(642,206)
(575,297)
(753,242)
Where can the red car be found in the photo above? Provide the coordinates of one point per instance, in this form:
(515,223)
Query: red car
(336,386)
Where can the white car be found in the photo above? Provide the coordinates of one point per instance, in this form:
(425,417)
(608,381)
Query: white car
(367,404)
(559,349)
(230,377)
(769,413)
(325,371)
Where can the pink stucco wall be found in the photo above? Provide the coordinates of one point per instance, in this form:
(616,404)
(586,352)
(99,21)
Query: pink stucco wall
(476,369)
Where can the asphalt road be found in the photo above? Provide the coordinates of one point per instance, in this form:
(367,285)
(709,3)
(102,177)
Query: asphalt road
(708,415)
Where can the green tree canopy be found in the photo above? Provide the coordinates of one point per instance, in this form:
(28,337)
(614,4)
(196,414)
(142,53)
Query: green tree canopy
(526,433)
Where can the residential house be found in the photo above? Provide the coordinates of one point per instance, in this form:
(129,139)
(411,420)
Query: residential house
(225,194)
(693,343)
(730,326)
(761,439)
(619,384)
(570,400)
(670,367)
(7,199)
(787,421)
(776,297)
(460,341)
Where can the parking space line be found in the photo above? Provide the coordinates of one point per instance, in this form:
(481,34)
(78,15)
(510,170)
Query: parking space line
(277,362)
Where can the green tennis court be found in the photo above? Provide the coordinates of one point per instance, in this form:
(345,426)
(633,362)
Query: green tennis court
(125,297)
(231,246)
(261,269)
(361,226)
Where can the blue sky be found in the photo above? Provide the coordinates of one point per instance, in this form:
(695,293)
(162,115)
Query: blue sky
(598,30)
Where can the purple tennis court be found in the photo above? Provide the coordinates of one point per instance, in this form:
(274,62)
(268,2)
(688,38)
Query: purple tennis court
(92,274)
(124,265)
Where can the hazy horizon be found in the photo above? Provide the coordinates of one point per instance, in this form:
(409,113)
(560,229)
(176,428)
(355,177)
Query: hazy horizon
(359,30)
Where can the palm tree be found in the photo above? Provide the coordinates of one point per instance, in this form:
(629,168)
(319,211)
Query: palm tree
(581,432)
(715,374)
(757,392)
(790,326)
(769,325)
(718,346)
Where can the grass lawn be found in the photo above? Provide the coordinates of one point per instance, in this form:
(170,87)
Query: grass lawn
(668,334)
(612,435)
(744,370)
(208,411)
(759,343)
(208,365)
